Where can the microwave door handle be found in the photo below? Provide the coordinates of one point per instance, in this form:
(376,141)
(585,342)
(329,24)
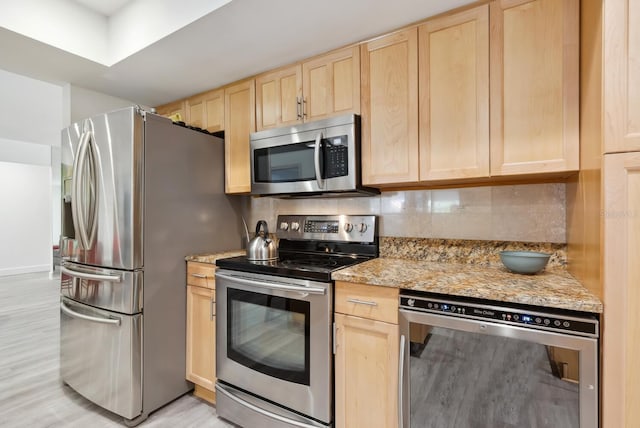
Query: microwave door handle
(316,161)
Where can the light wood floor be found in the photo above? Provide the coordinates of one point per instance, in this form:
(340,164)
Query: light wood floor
(31,392)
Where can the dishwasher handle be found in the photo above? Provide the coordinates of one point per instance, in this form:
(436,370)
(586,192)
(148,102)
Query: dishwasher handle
(400,382)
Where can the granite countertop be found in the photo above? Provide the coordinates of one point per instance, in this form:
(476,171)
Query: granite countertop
(212,257)
(552,288)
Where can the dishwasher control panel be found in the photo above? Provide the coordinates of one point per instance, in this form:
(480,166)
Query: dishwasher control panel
(583,326)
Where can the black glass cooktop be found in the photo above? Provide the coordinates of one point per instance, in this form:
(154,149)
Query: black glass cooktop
(311,266)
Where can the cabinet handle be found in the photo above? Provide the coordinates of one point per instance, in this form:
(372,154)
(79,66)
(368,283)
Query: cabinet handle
(201,275)
(299,108)
(304,108)
(362,302)
(213,309)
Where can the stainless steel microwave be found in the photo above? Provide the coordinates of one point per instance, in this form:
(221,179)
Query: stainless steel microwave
(310,159)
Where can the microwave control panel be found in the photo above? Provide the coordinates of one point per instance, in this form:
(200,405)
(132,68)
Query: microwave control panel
(345,228)
(336,157)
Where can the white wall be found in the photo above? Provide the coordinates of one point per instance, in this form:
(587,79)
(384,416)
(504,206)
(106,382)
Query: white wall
(31,116)
(86,103)
(25,218)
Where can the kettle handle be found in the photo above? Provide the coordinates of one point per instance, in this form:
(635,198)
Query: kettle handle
(265,228)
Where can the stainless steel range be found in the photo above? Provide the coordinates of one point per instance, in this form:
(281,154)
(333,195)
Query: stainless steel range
(274,357)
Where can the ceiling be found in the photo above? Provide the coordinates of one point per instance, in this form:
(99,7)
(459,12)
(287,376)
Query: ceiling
(238,39)
(106,8)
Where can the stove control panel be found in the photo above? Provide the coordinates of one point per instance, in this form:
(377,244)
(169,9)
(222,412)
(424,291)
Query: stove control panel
(345,228)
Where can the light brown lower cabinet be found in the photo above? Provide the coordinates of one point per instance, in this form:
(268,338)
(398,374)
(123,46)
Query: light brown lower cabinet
(201,341)
(366,371)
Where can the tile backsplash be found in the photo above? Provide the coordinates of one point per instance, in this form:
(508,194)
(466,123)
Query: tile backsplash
(527,212)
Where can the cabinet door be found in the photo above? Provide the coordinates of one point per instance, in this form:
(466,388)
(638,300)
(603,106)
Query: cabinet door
(201,337)
(622,75)
(621,336)
(277,96)
(454,95)
(175,111)
(534,86)
(390,109)
(366,372)
(331,84)
(206,110)
(239,122)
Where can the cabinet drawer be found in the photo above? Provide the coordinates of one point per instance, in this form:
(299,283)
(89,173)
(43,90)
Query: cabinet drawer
(367,301)
(201,274)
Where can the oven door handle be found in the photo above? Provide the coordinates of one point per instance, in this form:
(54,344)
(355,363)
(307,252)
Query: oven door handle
(272,285)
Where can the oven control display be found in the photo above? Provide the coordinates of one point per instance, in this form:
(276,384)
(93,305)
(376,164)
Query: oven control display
(317,226)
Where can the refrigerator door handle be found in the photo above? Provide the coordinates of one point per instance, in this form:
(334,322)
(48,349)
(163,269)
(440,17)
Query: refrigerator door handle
(93,183)
(90,276)
(79,222)
(74,314)
(75,178)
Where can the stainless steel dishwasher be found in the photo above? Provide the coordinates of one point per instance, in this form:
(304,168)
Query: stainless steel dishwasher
(488,364)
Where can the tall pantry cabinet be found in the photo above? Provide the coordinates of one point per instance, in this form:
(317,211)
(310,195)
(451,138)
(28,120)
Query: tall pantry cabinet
(603,204)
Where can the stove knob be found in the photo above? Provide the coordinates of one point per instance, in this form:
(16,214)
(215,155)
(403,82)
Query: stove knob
(348,227)
(295,225)
(284,225)
(411,302)
(362,228)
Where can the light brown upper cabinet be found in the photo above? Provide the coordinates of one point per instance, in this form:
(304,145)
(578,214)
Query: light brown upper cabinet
(534,86)
(321,87)
(175,110)
(453,74)
(390,109)
(278,97)
(206,110)
(331,84)
(622,76)
(239,123)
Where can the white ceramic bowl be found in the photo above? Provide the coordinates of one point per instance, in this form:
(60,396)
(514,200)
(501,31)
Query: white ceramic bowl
(526,262)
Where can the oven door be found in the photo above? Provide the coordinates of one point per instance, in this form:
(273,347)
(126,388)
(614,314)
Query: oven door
(274,340)
(471,373)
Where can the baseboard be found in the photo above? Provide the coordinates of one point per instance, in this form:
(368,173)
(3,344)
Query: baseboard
(25,269)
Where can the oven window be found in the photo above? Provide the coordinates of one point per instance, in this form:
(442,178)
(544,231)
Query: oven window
(465,380)
(269,334)
(295,162)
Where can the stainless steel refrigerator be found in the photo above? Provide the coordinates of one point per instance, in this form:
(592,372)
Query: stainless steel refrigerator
(139,194)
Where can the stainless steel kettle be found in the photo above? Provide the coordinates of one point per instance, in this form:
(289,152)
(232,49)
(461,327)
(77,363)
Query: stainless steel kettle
(261,247)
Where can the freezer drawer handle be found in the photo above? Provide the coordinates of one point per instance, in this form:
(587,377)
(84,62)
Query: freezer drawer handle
(74,314)
(91,276)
